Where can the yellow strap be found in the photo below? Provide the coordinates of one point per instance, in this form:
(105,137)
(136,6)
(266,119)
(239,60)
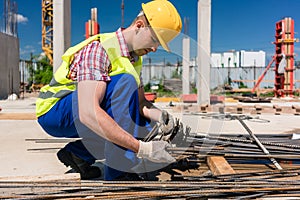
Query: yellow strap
(69,54)
(119,63)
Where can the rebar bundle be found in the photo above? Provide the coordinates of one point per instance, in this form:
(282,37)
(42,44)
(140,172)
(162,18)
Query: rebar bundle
(239,186)
(255,174)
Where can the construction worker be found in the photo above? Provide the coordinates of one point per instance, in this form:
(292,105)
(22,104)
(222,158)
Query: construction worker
(97,95)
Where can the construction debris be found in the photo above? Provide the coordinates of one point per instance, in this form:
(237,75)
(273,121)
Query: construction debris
(252,109)
(209,166)
(262,184)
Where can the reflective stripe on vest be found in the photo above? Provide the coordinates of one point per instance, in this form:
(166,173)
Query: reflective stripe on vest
(61,86)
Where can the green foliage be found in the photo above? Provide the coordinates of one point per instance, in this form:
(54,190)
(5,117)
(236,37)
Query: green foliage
(43,72)
(161,88)
(269,94)
(194,90)
(147,87)
(176,74)
(166,93)
(161,91)
(241,84)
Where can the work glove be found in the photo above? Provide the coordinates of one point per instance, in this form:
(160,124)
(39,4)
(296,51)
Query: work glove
(155,151)
(166,121)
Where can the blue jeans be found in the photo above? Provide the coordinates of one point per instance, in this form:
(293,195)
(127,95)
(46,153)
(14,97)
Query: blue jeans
(122,104)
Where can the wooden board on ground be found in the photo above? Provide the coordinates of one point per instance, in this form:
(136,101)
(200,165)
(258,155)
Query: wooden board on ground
(19,187)
(17,116)
(43,178)
(218,165)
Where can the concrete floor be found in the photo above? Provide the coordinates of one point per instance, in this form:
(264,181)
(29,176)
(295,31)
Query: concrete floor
(15,154)
(20,159)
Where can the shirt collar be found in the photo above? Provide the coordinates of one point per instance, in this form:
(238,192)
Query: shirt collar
(123,46)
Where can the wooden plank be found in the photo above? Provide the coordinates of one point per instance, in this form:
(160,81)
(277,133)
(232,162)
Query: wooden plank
(218,165)
(69,177)
(236,81)
(16,187)
(17,116)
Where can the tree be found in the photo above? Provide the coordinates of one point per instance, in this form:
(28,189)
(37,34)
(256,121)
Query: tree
(44,72)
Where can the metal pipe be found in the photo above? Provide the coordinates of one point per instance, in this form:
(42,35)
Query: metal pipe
(277,165)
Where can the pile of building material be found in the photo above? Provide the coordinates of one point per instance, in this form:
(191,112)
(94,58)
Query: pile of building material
(209,166)
(263,185)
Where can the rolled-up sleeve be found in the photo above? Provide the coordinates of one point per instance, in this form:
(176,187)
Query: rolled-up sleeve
(92,63)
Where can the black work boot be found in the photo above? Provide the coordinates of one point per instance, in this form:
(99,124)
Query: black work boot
(78,165)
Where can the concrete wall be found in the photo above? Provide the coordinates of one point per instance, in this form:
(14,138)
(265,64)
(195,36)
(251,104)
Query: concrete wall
(218,76)
(9,65)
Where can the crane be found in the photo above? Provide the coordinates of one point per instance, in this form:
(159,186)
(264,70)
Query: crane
(47,29)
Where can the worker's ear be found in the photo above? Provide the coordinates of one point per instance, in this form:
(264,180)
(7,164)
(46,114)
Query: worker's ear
(139,23)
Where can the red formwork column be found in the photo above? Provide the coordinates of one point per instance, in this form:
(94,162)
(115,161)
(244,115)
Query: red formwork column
(279,78)
(289,46)
(91,28)
(284,48)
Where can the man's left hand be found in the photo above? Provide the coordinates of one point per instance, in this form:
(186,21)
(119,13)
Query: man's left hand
(167,122)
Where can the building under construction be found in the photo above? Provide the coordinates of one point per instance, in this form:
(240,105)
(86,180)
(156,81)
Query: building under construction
(9,47)
(226,150)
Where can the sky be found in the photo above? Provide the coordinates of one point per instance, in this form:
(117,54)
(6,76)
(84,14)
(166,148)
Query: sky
(235,24)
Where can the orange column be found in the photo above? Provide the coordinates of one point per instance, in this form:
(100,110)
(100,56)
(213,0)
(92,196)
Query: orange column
(284,41)
(92,27)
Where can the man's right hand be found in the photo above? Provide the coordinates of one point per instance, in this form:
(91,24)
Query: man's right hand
(155,151)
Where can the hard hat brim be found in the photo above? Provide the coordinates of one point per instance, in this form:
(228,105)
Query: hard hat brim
(164,19)
(161,41)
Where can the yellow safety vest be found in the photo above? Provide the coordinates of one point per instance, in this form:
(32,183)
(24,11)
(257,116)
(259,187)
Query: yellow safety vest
(60,85)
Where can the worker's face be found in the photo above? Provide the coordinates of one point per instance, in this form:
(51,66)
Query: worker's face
(145,40)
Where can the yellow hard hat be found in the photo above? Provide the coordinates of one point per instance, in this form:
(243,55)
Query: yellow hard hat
(164,20)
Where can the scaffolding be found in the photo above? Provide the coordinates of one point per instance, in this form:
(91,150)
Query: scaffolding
(284,58)
(10,20)
(47,29)
(284,83)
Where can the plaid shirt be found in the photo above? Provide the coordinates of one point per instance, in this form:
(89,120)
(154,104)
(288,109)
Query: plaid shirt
(92,63)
